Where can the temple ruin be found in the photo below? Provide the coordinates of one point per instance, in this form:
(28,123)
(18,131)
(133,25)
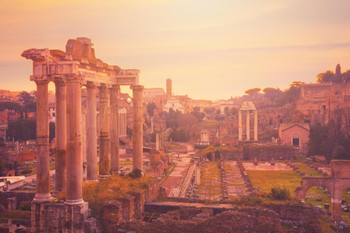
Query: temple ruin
(249,108)
(69,71)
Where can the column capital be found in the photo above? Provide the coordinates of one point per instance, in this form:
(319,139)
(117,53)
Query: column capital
(41,81)
(137,87)
(90,84)
(103,87)
(59,81)
(73,78)
(115,87)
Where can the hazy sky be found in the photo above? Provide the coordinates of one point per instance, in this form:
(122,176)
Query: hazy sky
(210,49)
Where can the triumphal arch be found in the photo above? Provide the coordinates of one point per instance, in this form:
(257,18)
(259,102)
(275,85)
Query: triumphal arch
(69,71)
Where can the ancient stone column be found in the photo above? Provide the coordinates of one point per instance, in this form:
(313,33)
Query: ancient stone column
(42,142)
(137,127)
(240,125)
(105,163)
(114,130)
(84,140)
(157,141)
(61,135)
(91,150)
(248,125)
(255,125)
(74,141)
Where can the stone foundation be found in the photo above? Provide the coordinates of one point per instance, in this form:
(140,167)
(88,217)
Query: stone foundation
(61,217)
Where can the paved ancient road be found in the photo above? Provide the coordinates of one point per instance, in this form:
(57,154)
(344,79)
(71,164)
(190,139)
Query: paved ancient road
(172,184)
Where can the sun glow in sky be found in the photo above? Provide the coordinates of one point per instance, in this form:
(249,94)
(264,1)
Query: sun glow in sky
(211,49)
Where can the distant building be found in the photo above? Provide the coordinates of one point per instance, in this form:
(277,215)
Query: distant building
(295,134)
(318,101)
(205,138)
(225,104)
(150,94)
(186,102)
(173,103)
(169,87)
(201,104)
(8,96)
(3,124)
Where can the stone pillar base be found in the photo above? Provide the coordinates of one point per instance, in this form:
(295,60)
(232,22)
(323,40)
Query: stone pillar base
(102,177)
(42,197)
(62,217)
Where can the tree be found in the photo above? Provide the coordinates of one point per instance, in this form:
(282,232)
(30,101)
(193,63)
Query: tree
(272,93)
(199,115)
(325,77)
(252,91)
(318,143)
(329,140)
(25,97)
(28,103)
(22,130)
(296,84)
(150,109)
(11,106)
(179,135)
(346,76)
(186,121)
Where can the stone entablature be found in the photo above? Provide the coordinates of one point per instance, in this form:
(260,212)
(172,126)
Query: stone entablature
(48,64)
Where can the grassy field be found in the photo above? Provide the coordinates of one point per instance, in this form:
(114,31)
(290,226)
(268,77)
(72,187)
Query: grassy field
(308,170)
(315,193)
(265,180)
(229,169)
(210,186)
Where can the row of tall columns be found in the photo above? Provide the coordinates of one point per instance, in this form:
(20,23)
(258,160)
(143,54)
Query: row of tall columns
(68,134)
(69,161)
(240,131)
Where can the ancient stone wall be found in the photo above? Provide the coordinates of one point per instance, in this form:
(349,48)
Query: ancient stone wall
(20,197)
(59,217)
(268,152)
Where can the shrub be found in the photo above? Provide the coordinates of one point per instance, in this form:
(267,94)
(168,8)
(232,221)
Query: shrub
(26,205)
(249,200)
(279,193)
(136,173)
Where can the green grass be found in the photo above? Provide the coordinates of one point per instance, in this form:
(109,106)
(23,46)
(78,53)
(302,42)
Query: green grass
(313,194)
(308,170)
(210,181)
(265,180)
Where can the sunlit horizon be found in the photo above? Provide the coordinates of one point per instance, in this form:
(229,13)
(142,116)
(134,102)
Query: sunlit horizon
(211,50)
